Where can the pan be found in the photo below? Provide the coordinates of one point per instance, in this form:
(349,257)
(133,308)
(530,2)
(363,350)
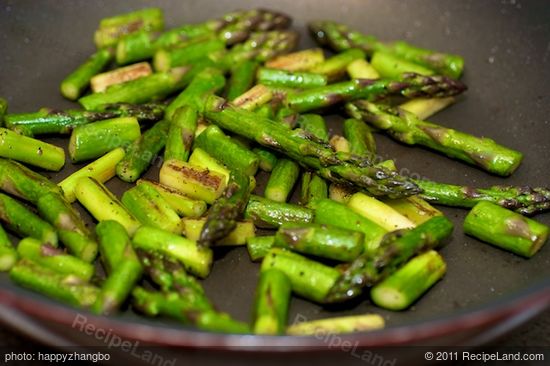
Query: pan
(486,291)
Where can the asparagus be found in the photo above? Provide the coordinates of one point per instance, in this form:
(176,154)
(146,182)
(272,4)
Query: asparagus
(340,193)
(150,208)
(340,38)
(314,188)
(242,78)
(378,212)
(324,241)
(226,210)
(253,98)
(93,140)
(142,90)
(186,54)
(266,213)
(290,79)
(202,159)
(409,85)
(335,67)
(525,200)
(71,229)
(8,254)
(259,246)
(24,222)
(282,180)
(306,150)
(396,248)
(402,288)
(22,182)
(340,144)
(314,124)
(195,182)
(344,324)
(31,151)
(391,66)
(406,127)
(3,110)
(65,287)
(266,159)
(101,82)
(74,84)
(115,245)
(297,61)
(361,69)
(181,134)
(141,153)
(103,204)
(506,229)
(55,259)
(101,170)
(359,135)
(272,302)
(50,121)
(196,259)
(112,29)
(425,107)
(243,231)
(183,205)
(414,208)
(226,150)
(310,279)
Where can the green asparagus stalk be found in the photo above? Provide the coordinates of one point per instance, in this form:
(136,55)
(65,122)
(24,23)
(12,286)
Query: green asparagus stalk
(314,188)
(341,38)
(49,121)
(277,77)
(378,212)
(324,241)
(153,87)
(359,135)
(24,222)
(305,149)
(282,180)
(266,159)
(392,66)
(183,205)
(361,69)
(340,144)
(297,61)
(259,246)
(195,182)
(266,213)
(254,98)
(115,245)
(506,229)
(314,124)
(3,110)
(272,302)
(335,67)
(202,159)
(30,151)
(112,29)
(402,288)
(409,85)
(221,147)
(310,279)
(142,152)
(101,170)
(226,210)
(74,84)
(414,208)
(242,78)
(150,208)
(344,324)
(196,259)
(8,254)
(93,140)
(55,259)
(20,181)
(426,107)
(71,229)
(340,193)
(103,204)
(165,60)
(243,231)
(181,134)
(395,249)
(406,127)
(100,82)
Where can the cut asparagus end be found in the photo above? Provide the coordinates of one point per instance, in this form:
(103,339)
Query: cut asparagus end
(379,212)
(347,324)
(101,82)
(424,108)
(8,258)
(297,61)
(239,236)
(253,98)
(183,205)
(259,246)
(361,69)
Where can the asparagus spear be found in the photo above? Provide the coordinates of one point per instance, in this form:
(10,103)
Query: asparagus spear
(359,135)
(406,127)
(3,110)
(181,134)
(282,180)
(187,53)
(22,182)
(141,153)
(226,210)
(259,246)
(403,287)
(361,69)
(525,200)
(314,124)
(25,223)
(150,208)
(202,159)
(8,254)
(243,231)
(115,245)
(426,107)
(30,151)
(378,212)
(253,98)
(65,287)
(74,84)
(195,182)
(183,205)
(344,324)
(297,61)
(409,85)
(389,65)
(506,229)
(335,67)
(339,144)
(395,249)
(340,38)
(266,213)
(314,188)
(242,78)
(325,241)
(101,82)
(272,302)
(55,259)
(414,208)
(290,79)
(50,121)
(93,140)
(266,159)
(308,151)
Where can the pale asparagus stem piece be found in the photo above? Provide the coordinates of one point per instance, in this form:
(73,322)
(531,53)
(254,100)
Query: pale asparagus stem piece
(339,143)
(254,97)
(102,81)
(424,108)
